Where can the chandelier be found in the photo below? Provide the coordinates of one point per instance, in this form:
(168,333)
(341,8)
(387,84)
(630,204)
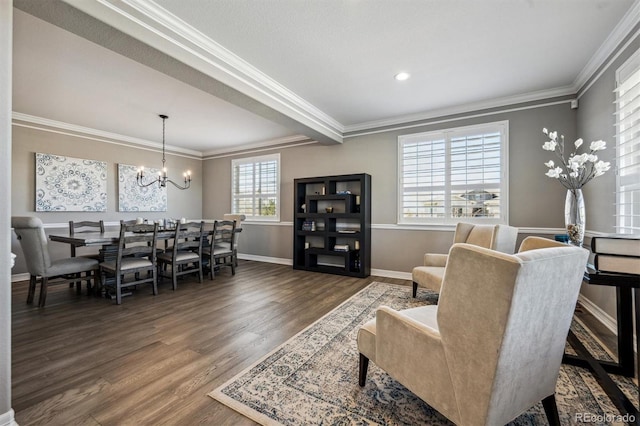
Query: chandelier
(162,178)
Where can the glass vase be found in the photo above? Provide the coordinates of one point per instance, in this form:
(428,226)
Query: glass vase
(574,216)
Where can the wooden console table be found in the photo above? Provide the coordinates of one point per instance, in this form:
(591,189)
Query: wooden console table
(627,291)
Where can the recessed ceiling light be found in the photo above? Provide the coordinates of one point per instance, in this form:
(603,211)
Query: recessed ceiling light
(402,76)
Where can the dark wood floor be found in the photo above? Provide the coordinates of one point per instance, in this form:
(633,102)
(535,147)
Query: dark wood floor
(152,360)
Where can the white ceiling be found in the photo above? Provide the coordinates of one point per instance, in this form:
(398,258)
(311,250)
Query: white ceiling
(318,68)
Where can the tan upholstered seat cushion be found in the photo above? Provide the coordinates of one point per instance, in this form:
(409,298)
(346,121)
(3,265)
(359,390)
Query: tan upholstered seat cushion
(428,276)
(426,315)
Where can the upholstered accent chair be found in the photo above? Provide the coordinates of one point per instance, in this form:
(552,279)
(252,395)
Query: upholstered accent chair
(135,262)
(496,237)
(493,345)
(185,256)
(220,250)
(239,218)
(34,243)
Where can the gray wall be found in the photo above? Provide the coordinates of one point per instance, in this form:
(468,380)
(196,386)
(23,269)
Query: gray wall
(27,141)
(595,120)
(535,200)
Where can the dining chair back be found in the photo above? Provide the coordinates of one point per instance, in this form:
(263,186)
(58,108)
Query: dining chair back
(185,256)
(82,227)
(239,218)
(135,262)
(219,252)
(34,244)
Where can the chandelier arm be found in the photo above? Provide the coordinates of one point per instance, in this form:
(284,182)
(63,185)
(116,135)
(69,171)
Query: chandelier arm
(186,186)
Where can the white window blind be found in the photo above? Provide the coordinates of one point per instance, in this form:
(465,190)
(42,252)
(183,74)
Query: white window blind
(628,146)
(454,174)
(256,187)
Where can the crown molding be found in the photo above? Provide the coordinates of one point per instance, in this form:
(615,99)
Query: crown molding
(625,27)
(463,109)
(285,142)
(47,125)
(157,27)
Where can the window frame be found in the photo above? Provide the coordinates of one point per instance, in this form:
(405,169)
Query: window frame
(235,163)
(497,126)
(623,73)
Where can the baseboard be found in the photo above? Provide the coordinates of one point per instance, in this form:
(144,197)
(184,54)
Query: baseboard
(266,259)
(391,274)
(7,419)
(19,277)
(605,319)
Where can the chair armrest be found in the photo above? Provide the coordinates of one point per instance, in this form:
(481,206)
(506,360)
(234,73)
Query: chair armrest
(435,259)
(413,353)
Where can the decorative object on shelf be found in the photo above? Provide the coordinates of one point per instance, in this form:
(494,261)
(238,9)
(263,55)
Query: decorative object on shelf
(162,178)
(341,247)
(573,172)
(134,198)
(70,184)
(329,209)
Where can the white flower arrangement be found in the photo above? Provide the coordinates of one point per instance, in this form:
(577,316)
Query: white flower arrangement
(574,172)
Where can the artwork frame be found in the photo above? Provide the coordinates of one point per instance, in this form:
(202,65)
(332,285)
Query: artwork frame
(134,198)
(69,184)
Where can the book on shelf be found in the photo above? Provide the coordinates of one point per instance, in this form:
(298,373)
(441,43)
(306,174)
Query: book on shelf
(341,247)
(620,244)
(615,263)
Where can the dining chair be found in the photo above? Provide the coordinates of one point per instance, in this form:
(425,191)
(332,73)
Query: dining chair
(135,262)
(239,218)
(185,256)
(219,252)
(34,243)
(82,227)
(79,228)
(493,345)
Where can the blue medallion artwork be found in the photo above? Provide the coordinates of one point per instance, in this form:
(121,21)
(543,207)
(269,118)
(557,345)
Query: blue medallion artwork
(70,184)
(135,198)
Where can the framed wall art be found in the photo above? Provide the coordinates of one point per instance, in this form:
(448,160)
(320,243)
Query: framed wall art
(134,198)
(70,184)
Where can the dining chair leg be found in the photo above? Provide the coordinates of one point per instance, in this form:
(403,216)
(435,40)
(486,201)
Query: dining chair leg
(200,271)
(32,289)
(155,282)
(118,289)
(44,283)
(174,277)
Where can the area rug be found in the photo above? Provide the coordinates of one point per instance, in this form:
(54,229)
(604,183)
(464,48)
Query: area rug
(312,379)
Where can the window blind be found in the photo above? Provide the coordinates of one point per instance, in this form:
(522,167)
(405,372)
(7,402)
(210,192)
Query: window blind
(453,174)
(628,146)
(255,187)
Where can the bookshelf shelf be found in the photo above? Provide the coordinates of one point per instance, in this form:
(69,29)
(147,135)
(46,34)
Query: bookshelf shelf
(333,211)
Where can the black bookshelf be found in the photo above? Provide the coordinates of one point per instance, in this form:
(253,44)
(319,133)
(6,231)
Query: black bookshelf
(332,223)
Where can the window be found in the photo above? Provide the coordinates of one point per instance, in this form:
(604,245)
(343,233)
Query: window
(628,146)
(454,174)
(256,187)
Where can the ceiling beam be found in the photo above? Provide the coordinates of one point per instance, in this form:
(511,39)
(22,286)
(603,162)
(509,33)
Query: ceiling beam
(148,35)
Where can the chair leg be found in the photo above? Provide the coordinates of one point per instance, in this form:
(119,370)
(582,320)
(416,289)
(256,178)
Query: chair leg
(32,289)
(155,282)
(551,410)
(174,276)
(364,365)
(200,271)
(44,283)
(118,289)
(233,265)
(415,288)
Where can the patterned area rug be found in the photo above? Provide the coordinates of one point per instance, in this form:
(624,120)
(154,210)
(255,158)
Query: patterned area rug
(312,379)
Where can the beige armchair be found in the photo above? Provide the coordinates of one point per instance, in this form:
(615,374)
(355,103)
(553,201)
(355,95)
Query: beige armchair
(496,237)
(493,345)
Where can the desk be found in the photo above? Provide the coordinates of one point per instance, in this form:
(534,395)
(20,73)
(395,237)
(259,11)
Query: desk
(626,287)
